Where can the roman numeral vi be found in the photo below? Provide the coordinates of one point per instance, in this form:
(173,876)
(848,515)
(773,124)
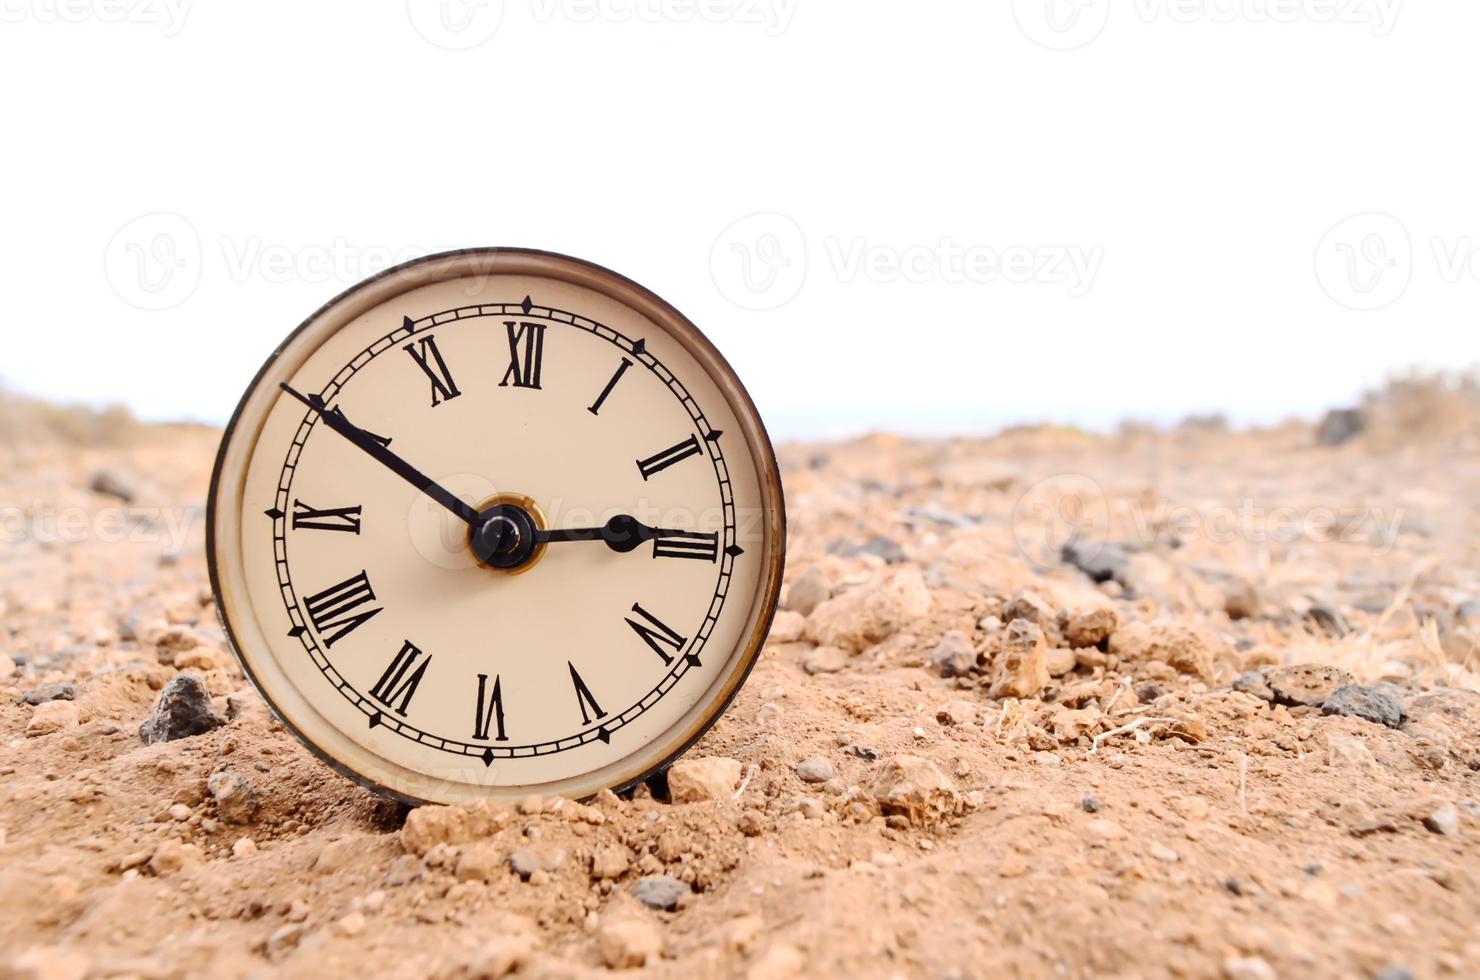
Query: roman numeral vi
(490,710)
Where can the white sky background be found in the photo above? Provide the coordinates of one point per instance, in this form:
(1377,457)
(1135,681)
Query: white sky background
(1200,161)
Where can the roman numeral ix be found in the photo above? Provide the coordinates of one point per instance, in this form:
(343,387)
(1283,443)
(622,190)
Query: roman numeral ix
(332,519)
(490,710)
(526,351)
(673,454)
(402,678)
(429,359)
(656,634)
(334,609)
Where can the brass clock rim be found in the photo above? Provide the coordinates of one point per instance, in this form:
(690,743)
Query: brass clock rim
(459,263)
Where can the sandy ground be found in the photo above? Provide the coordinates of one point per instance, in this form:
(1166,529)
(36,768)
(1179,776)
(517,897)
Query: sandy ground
(959,756)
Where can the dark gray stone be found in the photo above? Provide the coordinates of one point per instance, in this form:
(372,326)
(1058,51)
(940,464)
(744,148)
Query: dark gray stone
(1366,703)
(182,710)
(1089,804)
(1102,562)
(953,656)
(879,546)
(1393,973)
(1252,682)
(659,891)
(1340,425)
(49,692)
(1329,619)
(112,484)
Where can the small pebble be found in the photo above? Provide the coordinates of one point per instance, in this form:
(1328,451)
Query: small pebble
(814,770)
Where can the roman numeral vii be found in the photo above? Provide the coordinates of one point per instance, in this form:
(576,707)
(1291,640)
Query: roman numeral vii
(402,678)
(526,352)
(335,613)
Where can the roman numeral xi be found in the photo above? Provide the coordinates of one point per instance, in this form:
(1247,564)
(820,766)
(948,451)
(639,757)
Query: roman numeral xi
(338,610)
(429,359)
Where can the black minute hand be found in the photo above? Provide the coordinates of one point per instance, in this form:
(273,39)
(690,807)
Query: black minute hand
(335,419)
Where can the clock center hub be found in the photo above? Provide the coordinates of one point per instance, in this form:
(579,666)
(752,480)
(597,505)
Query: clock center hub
(504,537)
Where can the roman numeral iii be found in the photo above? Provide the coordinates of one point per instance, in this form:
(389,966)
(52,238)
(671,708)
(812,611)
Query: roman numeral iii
(429,359)
(656,634)
(687,544)
(490,710)
(335,608)
(402,678)
(661,461)
(332,519)
(526,352)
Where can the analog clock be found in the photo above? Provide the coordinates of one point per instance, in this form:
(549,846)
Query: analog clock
(494,523)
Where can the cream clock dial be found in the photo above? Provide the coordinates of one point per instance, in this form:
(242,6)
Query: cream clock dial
(493,523)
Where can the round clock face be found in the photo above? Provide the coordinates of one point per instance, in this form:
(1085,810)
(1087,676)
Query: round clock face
(494,523)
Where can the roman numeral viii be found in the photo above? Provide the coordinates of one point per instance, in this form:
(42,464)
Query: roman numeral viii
(490,709)
(656,634)
(332,519)
(526,351)
(334,611)
(402,678)
(429,359)
(661,461)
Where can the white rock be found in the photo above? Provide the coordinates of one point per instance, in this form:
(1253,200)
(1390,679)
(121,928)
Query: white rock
(696,780)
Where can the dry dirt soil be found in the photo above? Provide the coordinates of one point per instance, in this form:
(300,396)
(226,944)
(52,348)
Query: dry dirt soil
(1045,704)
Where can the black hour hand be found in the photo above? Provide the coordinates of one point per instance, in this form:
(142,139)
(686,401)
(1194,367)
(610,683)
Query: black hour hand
(625,533)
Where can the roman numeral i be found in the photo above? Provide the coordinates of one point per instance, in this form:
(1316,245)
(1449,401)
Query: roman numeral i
(334,609)
(526,352)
